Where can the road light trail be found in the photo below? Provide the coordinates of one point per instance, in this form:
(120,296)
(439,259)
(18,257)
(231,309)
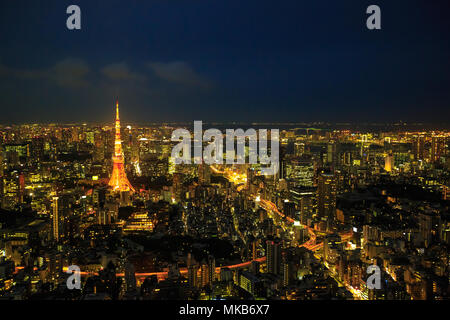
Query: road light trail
(267,205)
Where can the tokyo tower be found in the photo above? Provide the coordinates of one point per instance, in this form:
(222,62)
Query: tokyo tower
(119,180)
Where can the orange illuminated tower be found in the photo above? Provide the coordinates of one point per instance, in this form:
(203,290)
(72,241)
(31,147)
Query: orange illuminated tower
(119,180)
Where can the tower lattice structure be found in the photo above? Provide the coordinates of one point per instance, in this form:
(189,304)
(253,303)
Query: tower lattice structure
(119,180)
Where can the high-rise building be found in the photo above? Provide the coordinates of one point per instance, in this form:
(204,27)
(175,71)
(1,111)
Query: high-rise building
(204,174)
(56,218)
(16,153)
(273,253)
(425,227)
(389,162)
(254,267)
(251,174)
(326,195)
(1,162)
(287,268)
(300,172)
(211,270)
(254,249)
(103,216)
(1,177)
(192,267)
(1,192)
(419,148)
(130,277)
(289,208)
(250,283)
(119,180)
(331,241)
(304,198)
(204,275)
(445,192)
(11,189)
(299,149)
(177,186)
(364,151)
(437,148)
(332,154)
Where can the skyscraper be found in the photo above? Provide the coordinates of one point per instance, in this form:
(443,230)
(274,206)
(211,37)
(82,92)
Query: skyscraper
(300,172)
(287,268)
(55,218)
(119,180)
(192,267)
(326,195)
(130,277)
(1,161)
(437,148)
(299,149)
(273,252)
(204,174)
(389,162)
(1,177)
(419,148)
(332,154)
(211,269)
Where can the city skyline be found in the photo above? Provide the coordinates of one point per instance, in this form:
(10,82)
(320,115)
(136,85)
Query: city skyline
(301,224)
(247,153)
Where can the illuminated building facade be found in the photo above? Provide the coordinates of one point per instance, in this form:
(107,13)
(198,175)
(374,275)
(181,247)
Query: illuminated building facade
(139,221)
(273,253)
(438,144)
(326,197)
(389,162)
(300,172)
(419,148)
(55,218)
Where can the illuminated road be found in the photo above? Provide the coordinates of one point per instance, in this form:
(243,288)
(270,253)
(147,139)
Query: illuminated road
(163,274)
(232,176)
(310,244)
(270,206)
(265,204)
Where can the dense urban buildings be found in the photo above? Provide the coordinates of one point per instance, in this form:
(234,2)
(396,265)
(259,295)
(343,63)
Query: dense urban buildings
(222,158)
(110,200)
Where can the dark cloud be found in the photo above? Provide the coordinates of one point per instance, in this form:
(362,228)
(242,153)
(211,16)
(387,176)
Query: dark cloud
(121,71)
(178,72)
(69,73)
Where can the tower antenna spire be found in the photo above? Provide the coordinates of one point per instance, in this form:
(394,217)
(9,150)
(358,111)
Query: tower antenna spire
(117,108)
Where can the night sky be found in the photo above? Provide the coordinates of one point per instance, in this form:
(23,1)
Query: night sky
(224,60)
